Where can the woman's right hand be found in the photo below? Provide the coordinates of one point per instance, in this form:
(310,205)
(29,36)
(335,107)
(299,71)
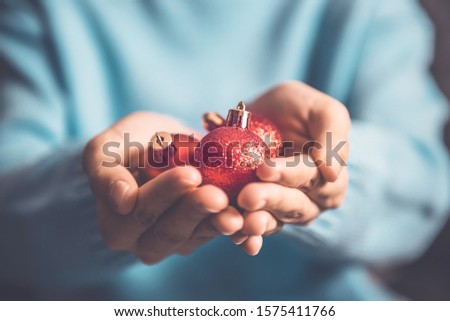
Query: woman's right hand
(169,214)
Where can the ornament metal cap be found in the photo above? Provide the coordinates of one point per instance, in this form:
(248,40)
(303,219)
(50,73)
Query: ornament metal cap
(161,140)
(238,117)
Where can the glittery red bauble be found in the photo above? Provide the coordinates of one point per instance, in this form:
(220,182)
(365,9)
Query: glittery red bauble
(259,124)
(268,132)
(229,157)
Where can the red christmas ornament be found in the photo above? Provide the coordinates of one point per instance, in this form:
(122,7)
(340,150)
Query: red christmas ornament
(167,151)
(268,132)
(229,155)
(259,124)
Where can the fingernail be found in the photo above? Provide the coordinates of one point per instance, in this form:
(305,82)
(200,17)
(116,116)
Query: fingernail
(117,192)
(238,240)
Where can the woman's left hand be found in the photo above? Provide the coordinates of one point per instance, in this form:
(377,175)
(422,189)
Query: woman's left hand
(313,176)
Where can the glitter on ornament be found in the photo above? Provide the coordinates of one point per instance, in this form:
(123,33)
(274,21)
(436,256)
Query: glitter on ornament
(259,124)
(229,155)
(268,132)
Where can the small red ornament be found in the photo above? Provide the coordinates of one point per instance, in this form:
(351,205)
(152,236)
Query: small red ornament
(167,151)
(229,155)
(259,124)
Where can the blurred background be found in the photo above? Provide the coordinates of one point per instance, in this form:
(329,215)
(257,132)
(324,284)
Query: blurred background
(429,277)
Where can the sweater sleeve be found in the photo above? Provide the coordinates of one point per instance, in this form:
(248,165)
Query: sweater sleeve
(48,227)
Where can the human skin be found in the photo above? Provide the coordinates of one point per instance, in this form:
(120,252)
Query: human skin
(174,213)
(296,194)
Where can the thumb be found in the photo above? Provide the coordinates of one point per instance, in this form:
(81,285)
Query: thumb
(109,180)
(329,126)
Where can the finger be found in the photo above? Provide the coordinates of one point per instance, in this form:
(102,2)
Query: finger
(109,157)
(260,223)
(289,205)
(207,231)
(238,238)
(192,245)
(108,178)
(160,193)
(122,232)
(331,195)
(304,113)
(252,245)
(227,222)
(329,127)
(177,225)
(295,171)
